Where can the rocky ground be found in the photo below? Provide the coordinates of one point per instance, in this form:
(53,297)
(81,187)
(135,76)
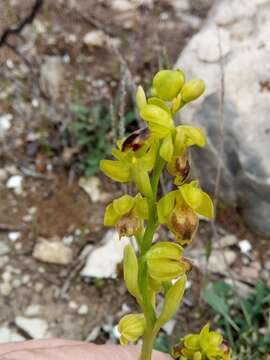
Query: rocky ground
(55,279)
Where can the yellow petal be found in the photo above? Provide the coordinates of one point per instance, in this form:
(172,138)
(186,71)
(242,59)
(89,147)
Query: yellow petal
(166,149)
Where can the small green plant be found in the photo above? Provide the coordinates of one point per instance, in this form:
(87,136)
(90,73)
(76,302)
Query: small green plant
(245,322)
(92,130)
(160,268)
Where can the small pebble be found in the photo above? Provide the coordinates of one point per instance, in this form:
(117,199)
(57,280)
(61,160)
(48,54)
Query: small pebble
(39,287)
(5,289)
(245,246)
(73,305)
(6,276)
(83,309)
(16,283)
(14,236)
(25,279)
(33,310)
(68,240)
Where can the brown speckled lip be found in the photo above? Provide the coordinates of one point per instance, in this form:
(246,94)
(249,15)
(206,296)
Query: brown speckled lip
(136,139)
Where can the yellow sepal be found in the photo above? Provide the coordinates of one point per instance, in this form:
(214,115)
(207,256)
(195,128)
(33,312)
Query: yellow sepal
(116,170)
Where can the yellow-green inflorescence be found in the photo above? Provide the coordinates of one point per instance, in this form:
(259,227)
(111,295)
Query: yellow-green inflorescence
(205,345)
(160,268)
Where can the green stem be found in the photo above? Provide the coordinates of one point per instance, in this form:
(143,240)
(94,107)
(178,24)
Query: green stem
(148,344)
(149,312)
(152,222)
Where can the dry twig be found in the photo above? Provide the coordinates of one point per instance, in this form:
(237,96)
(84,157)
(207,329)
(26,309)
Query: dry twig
(19,27)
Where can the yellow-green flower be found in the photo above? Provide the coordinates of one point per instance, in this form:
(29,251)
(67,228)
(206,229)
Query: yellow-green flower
(207,345)
(179,210)
(127,214)
(164,261)
(131,327)
(132,165)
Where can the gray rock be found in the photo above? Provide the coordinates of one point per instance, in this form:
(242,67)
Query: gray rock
(102,261)
(7,335)
(218,262)
(54,252)
(35,328)
(52,73)
(243,27)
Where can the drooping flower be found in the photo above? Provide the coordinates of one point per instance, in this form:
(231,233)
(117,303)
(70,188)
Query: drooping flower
(127,214)
(165,261)
(131,327)
(179,210)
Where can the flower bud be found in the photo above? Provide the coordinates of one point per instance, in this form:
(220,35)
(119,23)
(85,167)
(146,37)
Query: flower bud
(131,272)
(192,90)
(131,327)
(179,167)
(128,225)
(183,223)
(167,84)
(140,97)
(172,301)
